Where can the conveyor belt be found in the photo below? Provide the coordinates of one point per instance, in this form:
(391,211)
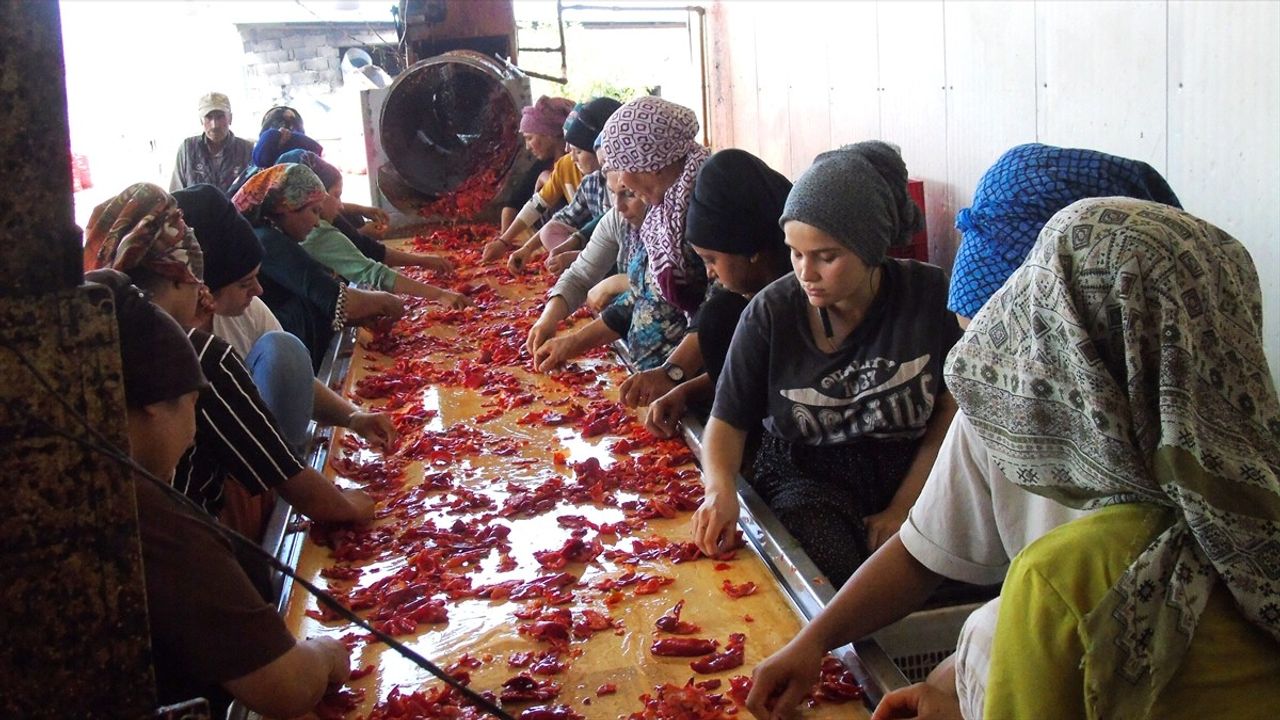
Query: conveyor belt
(789,587)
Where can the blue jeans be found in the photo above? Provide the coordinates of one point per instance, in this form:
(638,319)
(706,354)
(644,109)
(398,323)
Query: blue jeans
(281,368)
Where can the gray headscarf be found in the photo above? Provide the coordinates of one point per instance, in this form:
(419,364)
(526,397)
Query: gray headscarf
(858,195)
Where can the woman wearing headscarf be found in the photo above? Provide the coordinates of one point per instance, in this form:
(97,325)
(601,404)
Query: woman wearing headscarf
(1122,368)
(283,203)
(373,249)
(141,231)
(650,326)
(1017,196)
(333,249)
(654,143)
(970,520)
(236,433)
(733,227)
(282,131)
(841,362)
(212,634)
(571,226)
(542,125)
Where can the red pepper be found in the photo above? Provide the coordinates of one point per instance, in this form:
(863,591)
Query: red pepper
(737,591)
(671,622)
(683,647)
(606,689)
(731,657)
(523,688)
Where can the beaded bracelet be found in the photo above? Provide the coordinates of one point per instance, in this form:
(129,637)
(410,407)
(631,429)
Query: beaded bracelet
(340,310)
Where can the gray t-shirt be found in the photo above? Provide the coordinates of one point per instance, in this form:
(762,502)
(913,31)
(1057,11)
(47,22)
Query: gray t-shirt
(880,383)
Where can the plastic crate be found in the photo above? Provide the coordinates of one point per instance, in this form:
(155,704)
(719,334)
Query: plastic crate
(921,640)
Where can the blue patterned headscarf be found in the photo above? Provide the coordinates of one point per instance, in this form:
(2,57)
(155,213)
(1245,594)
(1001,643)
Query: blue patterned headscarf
(1018,195)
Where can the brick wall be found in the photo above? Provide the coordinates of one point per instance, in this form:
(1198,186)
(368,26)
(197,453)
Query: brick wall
(285,60)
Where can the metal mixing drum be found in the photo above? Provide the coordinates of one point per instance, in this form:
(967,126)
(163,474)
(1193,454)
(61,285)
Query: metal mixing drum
(447,134)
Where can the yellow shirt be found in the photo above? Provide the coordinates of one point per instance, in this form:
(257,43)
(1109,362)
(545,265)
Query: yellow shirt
(563,183)
(1231,670)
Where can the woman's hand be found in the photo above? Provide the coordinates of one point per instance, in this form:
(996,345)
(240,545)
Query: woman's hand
(644,387)
(435,263)
(375,427)
(714,522)
(516,263)
(561,261)
(921,701)
(663,415)
(782,680)
(453,300)
(605,291)
(360,503)
(367,305)
(555,352)
(494,249)
(883,525)
(539,334)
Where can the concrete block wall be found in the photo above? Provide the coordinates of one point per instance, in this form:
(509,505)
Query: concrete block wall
(286,60)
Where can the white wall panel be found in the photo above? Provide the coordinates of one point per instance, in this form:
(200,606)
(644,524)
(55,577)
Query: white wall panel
(991,89)
(740,25)
(773,50)
(913,110)
(1101,69)
(1224,130)
(808,84)
(853,70)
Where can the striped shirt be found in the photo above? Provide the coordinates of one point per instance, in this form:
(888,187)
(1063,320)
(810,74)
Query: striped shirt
(236,434)
(589,202)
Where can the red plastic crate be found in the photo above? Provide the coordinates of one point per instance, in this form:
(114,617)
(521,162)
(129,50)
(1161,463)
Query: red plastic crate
(918,249)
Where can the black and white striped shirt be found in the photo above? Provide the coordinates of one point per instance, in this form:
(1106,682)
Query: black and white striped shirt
(236,434)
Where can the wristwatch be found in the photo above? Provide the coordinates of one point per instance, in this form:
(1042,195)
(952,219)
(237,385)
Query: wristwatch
(674,372)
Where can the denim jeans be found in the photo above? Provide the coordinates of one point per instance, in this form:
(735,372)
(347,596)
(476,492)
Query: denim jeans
(281,368)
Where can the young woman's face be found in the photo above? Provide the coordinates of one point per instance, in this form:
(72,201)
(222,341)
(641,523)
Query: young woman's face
(297,224)
(332,205)
(736,272)
(232,300)
(828,271)
(585,160)
(542,146)
(629,205)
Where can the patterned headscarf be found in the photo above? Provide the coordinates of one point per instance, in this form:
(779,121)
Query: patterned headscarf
(140,228)
(1017,196)
(279,188)
(328,174)
(1123,362)
(646,135)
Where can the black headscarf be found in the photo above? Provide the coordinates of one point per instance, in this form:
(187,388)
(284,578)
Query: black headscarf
(231,249)
(737,200)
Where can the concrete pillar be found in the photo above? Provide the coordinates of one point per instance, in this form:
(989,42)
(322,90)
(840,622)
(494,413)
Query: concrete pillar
(72,599)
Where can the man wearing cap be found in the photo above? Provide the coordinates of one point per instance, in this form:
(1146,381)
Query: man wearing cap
(216,156)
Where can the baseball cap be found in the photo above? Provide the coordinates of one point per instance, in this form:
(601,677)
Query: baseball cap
(214,101)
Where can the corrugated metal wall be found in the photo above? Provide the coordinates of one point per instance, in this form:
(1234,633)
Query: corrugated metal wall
(1193,88)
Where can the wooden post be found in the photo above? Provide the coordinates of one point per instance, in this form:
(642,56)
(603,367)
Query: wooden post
(71,586)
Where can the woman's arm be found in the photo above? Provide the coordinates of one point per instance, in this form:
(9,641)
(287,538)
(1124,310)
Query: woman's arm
(664,414)
(890,585)
(405,285)
(643,387)
(885,524)
(553,313)
(722,448)
(557,351)
(400,258)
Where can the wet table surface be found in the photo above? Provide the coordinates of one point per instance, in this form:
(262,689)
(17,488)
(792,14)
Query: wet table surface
(471,415)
